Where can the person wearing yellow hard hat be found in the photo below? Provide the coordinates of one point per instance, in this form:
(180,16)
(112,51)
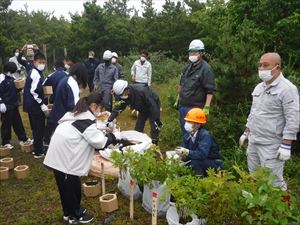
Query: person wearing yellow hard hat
(199,146)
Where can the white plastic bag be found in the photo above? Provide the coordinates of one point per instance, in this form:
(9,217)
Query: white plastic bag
(124,185)
(173,217)
(163,204)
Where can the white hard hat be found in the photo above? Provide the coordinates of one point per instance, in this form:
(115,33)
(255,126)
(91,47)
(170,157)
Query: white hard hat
(196,45)
(119,86)
(114,54)
(107,55)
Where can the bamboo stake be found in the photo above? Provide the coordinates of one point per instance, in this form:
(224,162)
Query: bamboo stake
(103,179)
(131,198)
(154,208)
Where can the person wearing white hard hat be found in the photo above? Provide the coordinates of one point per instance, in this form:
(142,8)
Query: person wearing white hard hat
(197,83)
(105,75)
(141,70)
(142,99)
(114,61)
(91,64)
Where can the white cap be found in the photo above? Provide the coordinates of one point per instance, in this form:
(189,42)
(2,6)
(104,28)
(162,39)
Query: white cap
(119,86)
(107,55)
(114,54)
(196,45)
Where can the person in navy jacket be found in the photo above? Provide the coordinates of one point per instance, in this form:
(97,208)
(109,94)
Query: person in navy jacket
(199,146)
(34,103)
(66,96)
(29,50)
(10,116)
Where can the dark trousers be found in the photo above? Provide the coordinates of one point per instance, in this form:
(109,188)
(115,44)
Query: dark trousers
(107,98)
(37,124)
(49,130)
(140,125)
(91,83)
(200,166)
(69,187)
(12,118)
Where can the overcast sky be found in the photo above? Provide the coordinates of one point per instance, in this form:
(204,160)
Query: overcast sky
(63,7)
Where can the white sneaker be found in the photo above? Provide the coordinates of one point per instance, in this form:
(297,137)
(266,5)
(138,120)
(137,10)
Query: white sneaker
(29,141)
(9,146)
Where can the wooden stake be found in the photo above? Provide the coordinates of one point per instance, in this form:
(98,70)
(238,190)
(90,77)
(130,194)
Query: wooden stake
(103,179)
(154,208)
(131,198)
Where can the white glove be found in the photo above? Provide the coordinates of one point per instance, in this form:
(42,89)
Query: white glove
(182,151)
(45,110)
(118,135)
(243,138)
(110,124)
(3,108)
(284,152)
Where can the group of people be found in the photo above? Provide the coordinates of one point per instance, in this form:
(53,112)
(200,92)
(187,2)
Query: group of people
(71,130)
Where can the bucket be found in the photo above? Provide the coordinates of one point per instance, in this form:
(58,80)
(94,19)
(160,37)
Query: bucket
(7,162)
(21,171)
(108,202)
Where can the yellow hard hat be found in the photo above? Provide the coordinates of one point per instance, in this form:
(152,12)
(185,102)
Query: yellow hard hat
(196,115)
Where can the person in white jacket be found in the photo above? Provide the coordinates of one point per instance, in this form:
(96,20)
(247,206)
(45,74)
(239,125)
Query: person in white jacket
(71,150)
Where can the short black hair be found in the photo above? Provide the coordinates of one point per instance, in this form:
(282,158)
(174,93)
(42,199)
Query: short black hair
(15,49)
(38,56)
(59,63)
(80,72)
(145,52)
(10,67)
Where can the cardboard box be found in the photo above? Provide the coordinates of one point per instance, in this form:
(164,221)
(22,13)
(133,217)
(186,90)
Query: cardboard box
(7,162)
(91,188)
(26,147)
(48,90)
(19,83)
(21,171)
(108,202)
(4,151)
(4,173)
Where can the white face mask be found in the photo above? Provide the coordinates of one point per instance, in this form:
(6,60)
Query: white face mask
(67,66)
(113,60)
(143,59)
(17,54)
(41,67)
(96,113)
(188,127)
(124,96)
(193,58)
(265,75)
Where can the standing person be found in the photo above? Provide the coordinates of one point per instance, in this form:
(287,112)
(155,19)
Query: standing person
(141,70)
(199,146)
(91,65)
(142,99)
(34,103)
(10,116)
(114,61)
(197,83)
(69,61)
(71,151)
(14,59)
(29,50)
(54,78)
(105,76)
(273,121)
(66,97)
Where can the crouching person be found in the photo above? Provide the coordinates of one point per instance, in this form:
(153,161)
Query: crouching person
(71,150)
(199,146)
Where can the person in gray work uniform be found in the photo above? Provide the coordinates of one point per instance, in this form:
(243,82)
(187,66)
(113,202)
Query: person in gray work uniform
(273,121)
(105,76)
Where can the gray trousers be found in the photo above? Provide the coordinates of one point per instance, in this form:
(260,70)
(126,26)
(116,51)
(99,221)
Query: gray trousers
(266,156)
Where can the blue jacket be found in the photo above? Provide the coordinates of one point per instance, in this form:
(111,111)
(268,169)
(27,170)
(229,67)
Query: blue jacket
(66,97)
(33,92)
(204,146)
(53,80)
(91,65)
(27,64)
(8,92)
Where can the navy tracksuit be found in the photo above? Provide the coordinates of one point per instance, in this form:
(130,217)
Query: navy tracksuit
(27,64)
(11,118)
(33,99)
(66,97)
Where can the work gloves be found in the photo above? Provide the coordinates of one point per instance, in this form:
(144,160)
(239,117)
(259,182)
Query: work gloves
(118,135)
(206,110)
(176,103)
(45,110)
(3,108)
(284,152)
(182,151)
(243,138)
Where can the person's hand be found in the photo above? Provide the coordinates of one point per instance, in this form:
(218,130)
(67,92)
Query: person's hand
(243,138)
(45,110)
(3,108)
(110,125)
(133,77)
(182,151)
(206,110)
(118,135)
(284,152)
(24,47)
